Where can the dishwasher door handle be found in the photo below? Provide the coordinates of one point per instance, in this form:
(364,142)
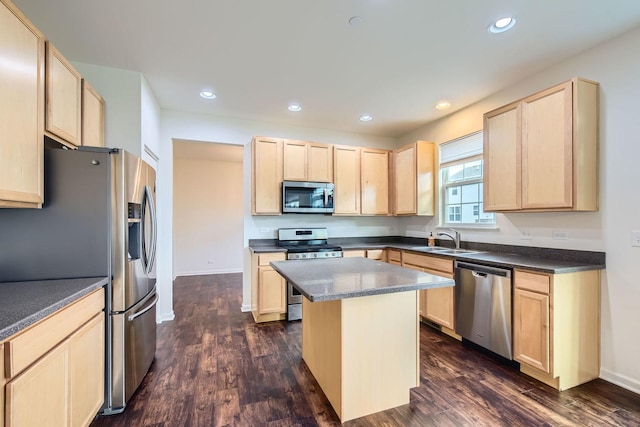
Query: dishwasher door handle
(476,274)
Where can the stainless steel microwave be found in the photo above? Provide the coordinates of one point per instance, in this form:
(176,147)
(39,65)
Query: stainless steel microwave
(307,197)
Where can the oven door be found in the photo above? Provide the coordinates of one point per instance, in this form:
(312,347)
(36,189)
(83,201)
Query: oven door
(307,197)
(294,303)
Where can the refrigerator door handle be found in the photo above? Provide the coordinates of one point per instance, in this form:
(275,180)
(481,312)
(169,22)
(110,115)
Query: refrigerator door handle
(150,209)
(140,313)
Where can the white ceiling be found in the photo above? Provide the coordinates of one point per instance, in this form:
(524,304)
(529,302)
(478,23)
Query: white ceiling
(260,55)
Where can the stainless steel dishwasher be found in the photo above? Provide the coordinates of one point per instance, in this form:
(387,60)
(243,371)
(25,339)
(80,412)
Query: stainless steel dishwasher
(483,306)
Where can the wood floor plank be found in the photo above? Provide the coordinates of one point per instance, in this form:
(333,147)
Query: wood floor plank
(215,367)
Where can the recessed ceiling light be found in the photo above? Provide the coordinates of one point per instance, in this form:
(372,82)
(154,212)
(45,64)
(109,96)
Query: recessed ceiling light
(443,104)
(366,118)
(501,25)
(295,107)
(207,94)
(355,21)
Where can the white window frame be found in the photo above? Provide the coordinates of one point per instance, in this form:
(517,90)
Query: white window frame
(456,152)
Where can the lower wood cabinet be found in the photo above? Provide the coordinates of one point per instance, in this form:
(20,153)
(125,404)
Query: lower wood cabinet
(556,326)
(268,288)
(368,253)
(394,256)
(53,381)
(436,305)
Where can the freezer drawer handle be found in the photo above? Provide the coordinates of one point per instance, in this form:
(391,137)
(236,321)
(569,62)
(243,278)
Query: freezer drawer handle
(140,313)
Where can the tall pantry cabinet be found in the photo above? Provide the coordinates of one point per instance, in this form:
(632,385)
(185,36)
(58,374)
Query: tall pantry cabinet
(21,110)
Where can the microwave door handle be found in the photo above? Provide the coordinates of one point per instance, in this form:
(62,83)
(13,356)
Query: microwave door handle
(326,198)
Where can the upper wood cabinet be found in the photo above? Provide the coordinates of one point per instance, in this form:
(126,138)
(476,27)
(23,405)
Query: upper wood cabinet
(556,326)
(414,183)
(307,161)
(346,178)
(21,110)
(266,194)
(92,116)
(541,153)
(374,191)
(63,99)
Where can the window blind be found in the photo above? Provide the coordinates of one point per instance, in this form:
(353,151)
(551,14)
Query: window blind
(461,148)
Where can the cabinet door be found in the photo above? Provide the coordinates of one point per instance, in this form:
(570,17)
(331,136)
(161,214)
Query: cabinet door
(63,97)
(21,110)
(354,254)
(92,116)
(86,367)
(39,396)
(347,180)
(267,176)
(375,182)
(547,141)
(272,297)
(502,159)
(295,160)
(320,162)
(423,302)
(405,180)
(531,336)
(439,306)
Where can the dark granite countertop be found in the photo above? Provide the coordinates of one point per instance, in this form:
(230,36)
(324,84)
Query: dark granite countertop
(339,278)
(544,260)
(24,303)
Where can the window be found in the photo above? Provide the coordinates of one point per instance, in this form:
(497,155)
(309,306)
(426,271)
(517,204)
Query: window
(461,172)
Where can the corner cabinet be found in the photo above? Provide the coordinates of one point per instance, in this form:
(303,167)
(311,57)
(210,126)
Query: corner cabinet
(556,326)
(63,99)
(268,288)
(307,161)
(414,179)
(22,107)
(266,161)
(92,116)
(541,153)
(55,368)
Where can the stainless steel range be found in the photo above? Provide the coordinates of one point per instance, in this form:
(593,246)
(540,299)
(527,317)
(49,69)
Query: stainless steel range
(301,244)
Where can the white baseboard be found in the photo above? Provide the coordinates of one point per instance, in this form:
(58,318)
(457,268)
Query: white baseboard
(631,384)
(165,317)
(245,308)
(207,272)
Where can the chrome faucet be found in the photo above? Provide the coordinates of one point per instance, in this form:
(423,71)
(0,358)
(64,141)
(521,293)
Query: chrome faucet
(455,239)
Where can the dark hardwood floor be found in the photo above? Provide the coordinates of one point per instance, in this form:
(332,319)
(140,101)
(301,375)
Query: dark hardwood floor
(215,367)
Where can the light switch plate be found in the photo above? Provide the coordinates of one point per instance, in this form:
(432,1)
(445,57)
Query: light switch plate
(526,235)
(635,238)
(560,235)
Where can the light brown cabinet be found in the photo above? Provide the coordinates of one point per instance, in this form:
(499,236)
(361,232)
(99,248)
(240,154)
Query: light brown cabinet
(346,178)
(307,161)
(266,194)
(436,305)
(63,120)
(92,116)
(541,153)
(394,256)
(414,179)
(21,110)
(55,368)
(268,288)
(556,326)
(374,191)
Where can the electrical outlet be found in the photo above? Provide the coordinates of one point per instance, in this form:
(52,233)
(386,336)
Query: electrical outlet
(210,261)
(264,229)
(560,235)
(526,235)
(635,238)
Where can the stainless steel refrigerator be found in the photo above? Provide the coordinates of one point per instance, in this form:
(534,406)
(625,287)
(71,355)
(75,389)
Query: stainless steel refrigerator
(98,219)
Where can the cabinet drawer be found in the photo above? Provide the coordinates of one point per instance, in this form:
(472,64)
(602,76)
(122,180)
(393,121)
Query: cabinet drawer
(532,282)
(393,255)
(29,345)
(354,254)
(431,263)
(265,259)
(375,254)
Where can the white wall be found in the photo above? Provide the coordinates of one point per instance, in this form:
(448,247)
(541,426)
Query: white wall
(150,124)
(616,65)
(207,216)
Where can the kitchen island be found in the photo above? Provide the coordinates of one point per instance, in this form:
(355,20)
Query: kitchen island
(360,330)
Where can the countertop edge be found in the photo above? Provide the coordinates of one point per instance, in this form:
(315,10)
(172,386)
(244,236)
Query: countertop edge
(33,318)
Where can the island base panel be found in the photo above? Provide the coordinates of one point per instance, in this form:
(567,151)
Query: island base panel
(364,352)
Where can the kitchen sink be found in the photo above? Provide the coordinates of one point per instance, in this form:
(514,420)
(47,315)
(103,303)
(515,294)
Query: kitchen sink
(429,248)
(443,250)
